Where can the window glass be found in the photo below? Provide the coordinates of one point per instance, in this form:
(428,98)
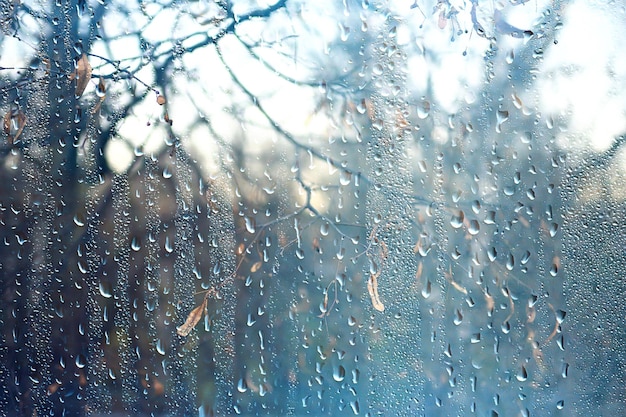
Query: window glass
(270,208)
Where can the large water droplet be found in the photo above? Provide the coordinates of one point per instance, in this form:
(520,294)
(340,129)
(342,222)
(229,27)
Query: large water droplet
(457,219)
(81,361)
(339,373)
(106,289)
(135,244)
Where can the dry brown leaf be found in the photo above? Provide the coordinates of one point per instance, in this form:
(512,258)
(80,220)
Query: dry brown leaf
(256,266)
(82,74)
(101,89)
(13,124)
(100,92)
(7,123)
(372,288)
(192,319)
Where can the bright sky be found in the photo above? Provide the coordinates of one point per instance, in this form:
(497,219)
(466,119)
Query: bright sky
(582,79)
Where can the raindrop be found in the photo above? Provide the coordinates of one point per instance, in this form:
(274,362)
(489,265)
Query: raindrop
(345,32)
(355,376)
(21,238)
(475,338)
(355,406)
(423,110)
(169,246)
(553,229)
(426,290)
(362,106)
(79,220)
(339,373)
(458,319)
(241,385)
(106,289)
(457,219)
(506,327)
(554,270)
(474,227)
(250,224)
(135,244)
(560,405)
(160,347)
(81,361)
(345,177)
(167,173)
(522,374)
(501,117)
(510,262)
(492,254)
(510,56)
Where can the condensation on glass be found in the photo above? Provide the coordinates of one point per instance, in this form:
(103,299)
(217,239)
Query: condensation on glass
(312,208)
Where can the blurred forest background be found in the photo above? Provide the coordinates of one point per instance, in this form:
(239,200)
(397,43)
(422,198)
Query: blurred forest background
(325,208)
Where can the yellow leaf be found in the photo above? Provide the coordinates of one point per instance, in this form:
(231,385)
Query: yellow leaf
(192,319)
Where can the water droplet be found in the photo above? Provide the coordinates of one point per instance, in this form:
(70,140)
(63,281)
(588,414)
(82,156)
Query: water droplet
(506,327)
(339,373)
(167,173)
(355,376)
(250,224)
(135,244)
(475,338)
(457,219)
(492,254)
(241,385)
(160,348)
(474,227)
(522,375)
(79,220)
(106,289)
(560,405)
(510,262)
(423,110)
(458,319)
(81,361)
(169,246)
(355,406)
(510,56)
(553,229)
(426,290)
(501,117)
